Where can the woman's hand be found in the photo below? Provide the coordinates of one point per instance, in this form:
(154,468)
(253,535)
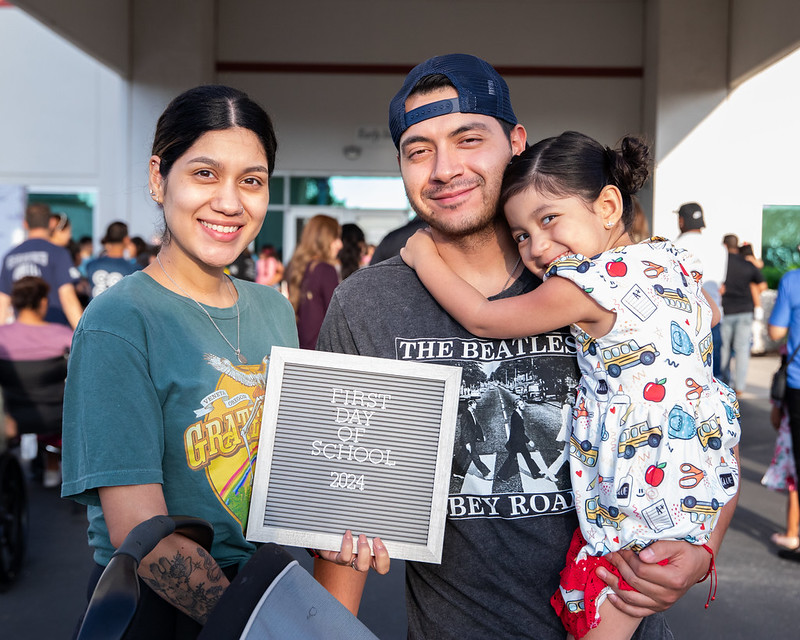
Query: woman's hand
(363,560)
(418,247)
(345,572)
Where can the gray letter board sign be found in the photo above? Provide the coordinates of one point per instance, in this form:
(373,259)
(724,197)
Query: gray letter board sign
(351,442)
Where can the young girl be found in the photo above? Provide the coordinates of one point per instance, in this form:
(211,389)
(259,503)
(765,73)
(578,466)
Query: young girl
(782,476)
(653,433)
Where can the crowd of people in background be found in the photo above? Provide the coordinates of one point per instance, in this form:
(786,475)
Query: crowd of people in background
(52,284)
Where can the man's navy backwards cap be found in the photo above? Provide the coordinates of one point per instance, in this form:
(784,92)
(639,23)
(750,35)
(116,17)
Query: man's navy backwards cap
(480,90)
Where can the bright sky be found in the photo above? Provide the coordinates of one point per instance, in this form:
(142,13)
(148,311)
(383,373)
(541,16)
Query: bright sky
(370,193)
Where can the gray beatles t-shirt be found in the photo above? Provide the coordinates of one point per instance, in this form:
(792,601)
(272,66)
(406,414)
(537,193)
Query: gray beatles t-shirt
(511,513)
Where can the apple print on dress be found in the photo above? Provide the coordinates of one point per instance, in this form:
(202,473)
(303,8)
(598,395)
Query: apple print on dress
(655,391)
(654,475)
(616,268)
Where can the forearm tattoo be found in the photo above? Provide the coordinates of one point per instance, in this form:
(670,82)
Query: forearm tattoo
(192,587)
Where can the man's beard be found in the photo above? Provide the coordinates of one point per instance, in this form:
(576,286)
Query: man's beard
(465,223)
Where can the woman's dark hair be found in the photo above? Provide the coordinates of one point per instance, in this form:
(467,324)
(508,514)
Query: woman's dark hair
(209,108)
(353,245)
(575,165)
(28,293)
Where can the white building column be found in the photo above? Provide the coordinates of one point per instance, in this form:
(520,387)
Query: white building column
(172,49)
(686,90)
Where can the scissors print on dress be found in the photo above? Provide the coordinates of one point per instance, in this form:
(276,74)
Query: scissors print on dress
(653,270)
(695,389)
(693,476)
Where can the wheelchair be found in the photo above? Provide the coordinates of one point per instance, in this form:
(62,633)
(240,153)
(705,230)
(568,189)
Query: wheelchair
(13,516)
(33,392)
(271,598)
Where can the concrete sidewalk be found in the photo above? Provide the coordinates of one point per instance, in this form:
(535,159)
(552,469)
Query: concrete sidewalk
(756,596)
(757,591)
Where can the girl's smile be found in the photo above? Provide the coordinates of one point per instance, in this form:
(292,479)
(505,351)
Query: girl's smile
(546,228)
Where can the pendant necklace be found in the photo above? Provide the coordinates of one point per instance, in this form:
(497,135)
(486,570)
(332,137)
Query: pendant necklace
(236,349)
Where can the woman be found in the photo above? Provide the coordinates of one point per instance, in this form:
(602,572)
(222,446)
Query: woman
(354,247)
(784,322)
(33,365)
(166,383)
(313,276)
(269,269)
(60,229)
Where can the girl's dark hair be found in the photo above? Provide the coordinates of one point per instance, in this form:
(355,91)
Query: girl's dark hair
(28,293)
(209,108)
(353,245)
(575,165)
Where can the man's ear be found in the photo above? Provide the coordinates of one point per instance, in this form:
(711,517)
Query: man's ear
(518,137)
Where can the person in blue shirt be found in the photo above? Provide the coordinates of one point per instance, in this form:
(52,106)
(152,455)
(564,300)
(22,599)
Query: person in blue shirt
(108,269)
(785,320)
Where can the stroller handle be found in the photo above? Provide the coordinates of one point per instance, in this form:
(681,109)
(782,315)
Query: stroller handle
(143,538)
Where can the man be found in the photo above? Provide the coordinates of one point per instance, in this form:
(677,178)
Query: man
(244,267)
(715,264)
(37,256)
(471,435)
(518,445)
(738,313)
(396,239)
(505,542)
(112,266)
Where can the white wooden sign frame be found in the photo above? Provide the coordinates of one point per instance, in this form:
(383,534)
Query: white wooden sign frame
(354,442)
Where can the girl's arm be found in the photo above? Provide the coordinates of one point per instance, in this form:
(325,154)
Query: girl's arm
(554,304)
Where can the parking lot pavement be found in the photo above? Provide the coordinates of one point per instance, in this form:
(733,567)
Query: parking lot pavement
(757,591)
(756,595)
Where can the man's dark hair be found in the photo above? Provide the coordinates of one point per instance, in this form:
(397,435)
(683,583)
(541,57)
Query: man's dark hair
(731,241)
(37,215)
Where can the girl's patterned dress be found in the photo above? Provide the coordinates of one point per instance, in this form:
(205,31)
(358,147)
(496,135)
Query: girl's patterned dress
(652,429)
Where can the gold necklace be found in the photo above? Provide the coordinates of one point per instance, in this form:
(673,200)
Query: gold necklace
(236,349)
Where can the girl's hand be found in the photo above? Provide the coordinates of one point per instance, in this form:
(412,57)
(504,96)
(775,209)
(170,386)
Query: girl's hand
(363,560)
(417,247)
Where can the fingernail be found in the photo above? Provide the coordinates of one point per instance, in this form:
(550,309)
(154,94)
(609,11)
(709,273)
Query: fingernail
(377,544)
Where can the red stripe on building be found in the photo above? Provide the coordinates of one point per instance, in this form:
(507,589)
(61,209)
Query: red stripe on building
(402,69)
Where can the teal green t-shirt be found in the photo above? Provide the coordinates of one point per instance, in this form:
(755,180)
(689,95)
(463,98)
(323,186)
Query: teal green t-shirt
(155,395)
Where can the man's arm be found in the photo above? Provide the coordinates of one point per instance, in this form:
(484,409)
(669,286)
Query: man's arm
(70,304)
(777,333)
(178,569)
